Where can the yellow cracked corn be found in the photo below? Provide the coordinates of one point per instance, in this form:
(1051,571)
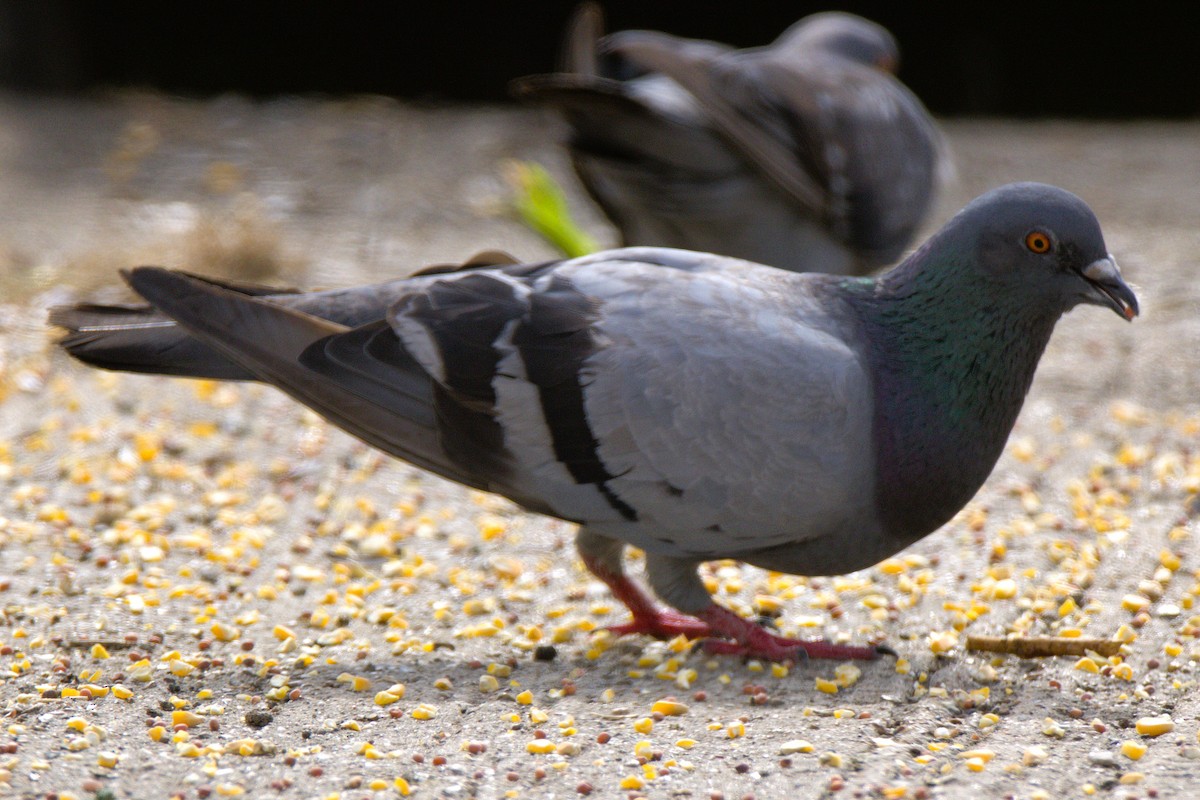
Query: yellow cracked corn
(1133,750)
(184,717)
(1135,603)
(826,686)
(943,641)
(846,675)
(358,683)
(669,708)
(1155,726)
(225,633)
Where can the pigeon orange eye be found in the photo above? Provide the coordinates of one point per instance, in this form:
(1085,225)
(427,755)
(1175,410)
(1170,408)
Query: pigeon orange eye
(1038,242)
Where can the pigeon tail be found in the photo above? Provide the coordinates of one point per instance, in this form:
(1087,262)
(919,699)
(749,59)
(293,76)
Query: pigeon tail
(138,338)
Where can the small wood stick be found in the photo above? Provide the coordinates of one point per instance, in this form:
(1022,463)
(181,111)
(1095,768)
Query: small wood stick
(1043,646)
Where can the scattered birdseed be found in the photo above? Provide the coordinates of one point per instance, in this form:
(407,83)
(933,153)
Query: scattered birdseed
(346,606)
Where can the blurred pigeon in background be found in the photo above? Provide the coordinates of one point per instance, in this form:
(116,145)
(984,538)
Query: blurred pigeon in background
(696,406)
(807,154)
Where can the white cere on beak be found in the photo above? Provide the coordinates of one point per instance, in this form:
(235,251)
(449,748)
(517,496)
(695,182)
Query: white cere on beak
(1103,270)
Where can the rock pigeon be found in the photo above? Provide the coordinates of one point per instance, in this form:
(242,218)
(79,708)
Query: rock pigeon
(697,406)
(807,155)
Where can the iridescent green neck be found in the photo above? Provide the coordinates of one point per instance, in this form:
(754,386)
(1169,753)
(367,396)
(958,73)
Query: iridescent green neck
(952,360)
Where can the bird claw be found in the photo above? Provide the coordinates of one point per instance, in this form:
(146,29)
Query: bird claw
(742,637)
(662,624)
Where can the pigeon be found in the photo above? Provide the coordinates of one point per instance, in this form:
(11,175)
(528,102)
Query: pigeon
(807,154)
(696,406)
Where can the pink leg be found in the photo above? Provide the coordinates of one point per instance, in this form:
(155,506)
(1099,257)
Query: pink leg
(743,637)
(727,632)
(647,617)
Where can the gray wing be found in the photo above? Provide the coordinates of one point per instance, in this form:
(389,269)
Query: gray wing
(712,76)
(473,374)
(514,348)
(845,140)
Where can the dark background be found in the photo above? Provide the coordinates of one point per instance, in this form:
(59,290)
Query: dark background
(1075,59)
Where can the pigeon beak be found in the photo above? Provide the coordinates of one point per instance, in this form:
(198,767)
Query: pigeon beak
(1106,288)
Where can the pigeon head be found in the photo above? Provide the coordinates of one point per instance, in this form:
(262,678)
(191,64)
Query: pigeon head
(1041,246)
(845,35)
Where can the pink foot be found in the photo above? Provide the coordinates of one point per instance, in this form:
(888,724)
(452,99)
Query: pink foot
(745,638)
(662,624)
(726,631)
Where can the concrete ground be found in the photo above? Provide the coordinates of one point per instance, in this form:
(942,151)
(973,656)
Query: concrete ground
(205,588)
